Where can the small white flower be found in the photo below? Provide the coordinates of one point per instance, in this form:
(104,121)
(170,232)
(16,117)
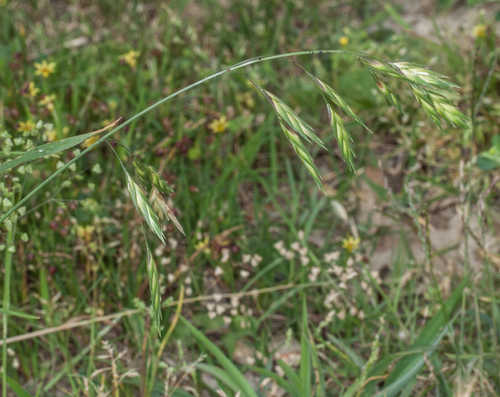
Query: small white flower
(217,297)
(173,243)
(218,271)
(256,260)
(295,246)
(225,255)
(220,309)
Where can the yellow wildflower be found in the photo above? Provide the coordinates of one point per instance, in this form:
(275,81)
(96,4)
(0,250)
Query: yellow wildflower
(51,135)
(479,31)
(343,41)
(130,58)
(85,232)
(90,141)
(219,125)
(203,246)
(48,101)
(44,68)
(33,91)
(26,126)
(350,244)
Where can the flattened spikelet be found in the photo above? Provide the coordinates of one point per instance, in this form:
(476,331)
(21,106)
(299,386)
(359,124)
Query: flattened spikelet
(160,203)
(144,207)
(295,129)
(303,154)
(292,120)
(343,138)
(336,100)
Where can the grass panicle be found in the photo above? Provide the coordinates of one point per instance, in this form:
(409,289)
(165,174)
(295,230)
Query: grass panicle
(434,92)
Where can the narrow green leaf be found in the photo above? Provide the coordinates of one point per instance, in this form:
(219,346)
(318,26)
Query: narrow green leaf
(45,150)
(235,374)
(426,343)
(17,388)
(490,159)
(353,356)
(281,381)
(293,380)
(220,375)
(15,313)
(51,148)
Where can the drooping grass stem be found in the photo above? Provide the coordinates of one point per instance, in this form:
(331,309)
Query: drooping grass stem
(232,68)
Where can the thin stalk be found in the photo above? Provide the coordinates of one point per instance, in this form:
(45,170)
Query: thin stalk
(6,302)
(232,68)
(166,338)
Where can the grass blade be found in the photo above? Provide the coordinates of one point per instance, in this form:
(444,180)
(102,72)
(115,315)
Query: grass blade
(425,344)
(236,376)
(220,375)
(17,388)
(49,149)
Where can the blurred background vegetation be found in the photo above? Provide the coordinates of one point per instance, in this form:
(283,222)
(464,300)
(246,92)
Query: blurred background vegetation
(375,254)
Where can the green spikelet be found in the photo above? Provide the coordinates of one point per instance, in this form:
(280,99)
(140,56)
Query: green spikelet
(154,290)
(144,207)
(296,130)
(334,99)
(303,154)
(344,140)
